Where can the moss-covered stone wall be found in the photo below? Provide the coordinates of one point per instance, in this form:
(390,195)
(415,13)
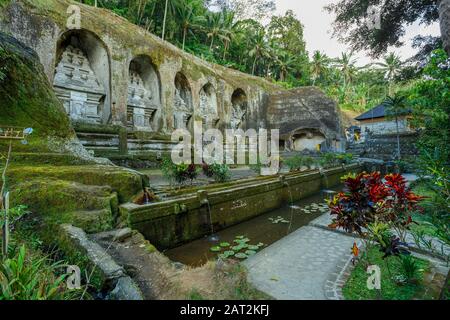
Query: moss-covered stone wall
(42,25)
(184,217)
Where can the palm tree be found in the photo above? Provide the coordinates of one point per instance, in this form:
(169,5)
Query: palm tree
(260,48)
(170,7)
(165,20)
(444,18)
(188,19)
(395,107)
(213,26)
(391,67)
(284,63)
(228,30)
(319,65)
(346,64)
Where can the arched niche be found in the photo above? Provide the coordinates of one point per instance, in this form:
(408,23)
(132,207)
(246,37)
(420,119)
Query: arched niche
(307,139)
(144,97)
(239,105)
(82,76)
(183,108)
(208,106)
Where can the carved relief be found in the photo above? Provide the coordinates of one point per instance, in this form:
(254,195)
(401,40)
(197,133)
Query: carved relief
(77,86)
(208,107)
(140,108)
(238,110)
(182,111)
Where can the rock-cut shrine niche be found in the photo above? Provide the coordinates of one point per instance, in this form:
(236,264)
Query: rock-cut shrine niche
(143,95)
(81,78)
(239,109)
(307,139)
(208,107)
(183,108)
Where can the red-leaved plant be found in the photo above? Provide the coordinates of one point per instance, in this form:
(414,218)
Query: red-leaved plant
(368,199)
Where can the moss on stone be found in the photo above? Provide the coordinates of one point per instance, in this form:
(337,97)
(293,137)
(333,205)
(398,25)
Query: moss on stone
(125,182)
(27,99)
(128,35)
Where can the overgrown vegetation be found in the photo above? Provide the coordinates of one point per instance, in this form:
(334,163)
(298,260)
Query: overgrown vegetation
(220,172)
(400,278)
(247,36)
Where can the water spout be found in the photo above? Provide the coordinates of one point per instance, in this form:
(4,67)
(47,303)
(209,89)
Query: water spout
(146,197)
(286,184)
(204,202)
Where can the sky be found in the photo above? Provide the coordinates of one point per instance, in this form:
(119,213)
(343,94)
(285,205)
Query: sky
(318,29)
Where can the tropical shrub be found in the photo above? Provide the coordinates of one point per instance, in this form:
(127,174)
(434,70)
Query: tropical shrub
(180,173)
(330,159)
(28,277)
(366,199)
(297,162)
(220,172)
(410,268)
(430,100)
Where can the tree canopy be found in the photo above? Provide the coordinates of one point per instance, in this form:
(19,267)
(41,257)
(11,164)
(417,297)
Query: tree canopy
(351,24)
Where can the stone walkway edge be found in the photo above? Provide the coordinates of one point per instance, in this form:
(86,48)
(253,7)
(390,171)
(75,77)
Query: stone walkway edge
(312,263)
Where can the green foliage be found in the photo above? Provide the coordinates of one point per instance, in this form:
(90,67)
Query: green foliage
(228,36)
(430,98)
(410,268)
(179,173)
(195,295)
(351,28)
(297,162)
(391,289)
(28,277)
(14,215)
(220,172)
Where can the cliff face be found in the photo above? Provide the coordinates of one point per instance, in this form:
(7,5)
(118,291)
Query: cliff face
(305,111)
(116,51)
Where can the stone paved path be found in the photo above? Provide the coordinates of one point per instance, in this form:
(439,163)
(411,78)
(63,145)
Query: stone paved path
(302,265)
(312,263)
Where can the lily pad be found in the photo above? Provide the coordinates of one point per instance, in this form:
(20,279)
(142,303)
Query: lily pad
(253,247)
(215,249)
(241,255)
(224,244)
(238,247)
(244,240)
(229,253)
(250,252)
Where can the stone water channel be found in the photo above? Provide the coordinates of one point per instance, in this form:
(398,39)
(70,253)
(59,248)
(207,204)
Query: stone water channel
(182,222)
(259,230)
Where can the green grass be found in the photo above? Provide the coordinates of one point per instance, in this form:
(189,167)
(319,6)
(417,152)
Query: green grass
(195,295)
(424,221)
(356,286)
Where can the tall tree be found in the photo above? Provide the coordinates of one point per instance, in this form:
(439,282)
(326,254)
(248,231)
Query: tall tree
(188,18)
(351,25)
(444,18)
(396,106)
(260,48)
(346,64)
(391,67)
(319,65)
